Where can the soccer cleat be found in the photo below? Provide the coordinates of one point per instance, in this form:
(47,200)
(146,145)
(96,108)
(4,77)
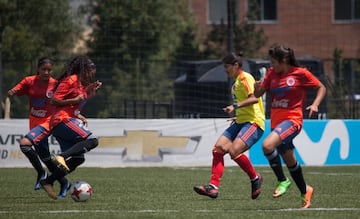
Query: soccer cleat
(207,190)
(60,162)
(39,178)
(281,188)
(256,187)
(63,189)
(49,189)
(306,198)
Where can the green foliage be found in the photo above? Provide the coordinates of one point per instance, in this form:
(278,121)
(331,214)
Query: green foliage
(33,29)
(246,38)
(129,36)
(164,192)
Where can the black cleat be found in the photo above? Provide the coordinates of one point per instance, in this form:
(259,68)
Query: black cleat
(207,190)
(256,187)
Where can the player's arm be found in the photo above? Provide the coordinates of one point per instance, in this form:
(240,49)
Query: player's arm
(258,89)
(320,94)
(83,119)
(11,92)
(247,102)
(71,101)
(20,89)
(59,98)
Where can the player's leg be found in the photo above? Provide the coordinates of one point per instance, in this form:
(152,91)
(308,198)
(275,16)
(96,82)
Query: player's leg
(57,173)
(72,130)
(42,148)
(273,156)
(247,136)
(220,148)
(275,145)
(27,149)
(297,175)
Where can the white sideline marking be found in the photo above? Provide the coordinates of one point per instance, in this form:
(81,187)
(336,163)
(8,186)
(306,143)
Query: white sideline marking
(315,209)
(171,211)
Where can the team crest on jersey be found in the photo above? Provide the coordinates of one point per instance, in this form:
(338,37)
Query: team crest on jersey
(49,93)
(290,81)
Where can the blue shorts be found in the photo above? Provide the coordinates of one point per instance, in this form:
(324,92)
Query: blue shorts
(39,137)
(287,130)
(250,133)
(69,132)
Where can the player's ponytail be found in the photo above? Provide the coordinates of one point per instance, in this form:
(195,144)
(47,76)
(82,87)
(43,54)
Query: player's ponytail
(281,53)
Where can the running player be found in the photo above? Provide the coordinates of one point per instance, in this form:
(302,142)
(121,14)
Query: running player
(39,88)
(245,131)
(287,84)
(67,125)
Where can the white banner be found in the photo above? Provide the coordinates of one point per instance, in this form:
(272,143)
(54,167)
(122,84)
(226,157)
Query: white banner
(187,142)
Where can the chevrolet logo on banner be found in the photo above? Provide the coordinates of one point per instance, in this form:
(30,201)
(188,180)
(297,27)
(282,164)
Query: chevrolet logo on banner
(141,145)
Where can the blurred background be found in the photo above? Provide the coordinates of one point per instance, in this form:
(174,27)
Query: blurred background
(162,58)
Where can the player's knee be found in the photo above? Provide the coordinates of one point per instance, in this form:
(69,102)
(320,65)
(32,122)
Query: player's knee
(25,142)
(267,146)
(220,149)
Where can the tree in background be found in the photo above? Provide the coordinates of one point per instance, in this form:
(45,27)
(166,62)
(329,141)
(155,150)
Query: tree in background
(32,29)
(246,38)
(129,39)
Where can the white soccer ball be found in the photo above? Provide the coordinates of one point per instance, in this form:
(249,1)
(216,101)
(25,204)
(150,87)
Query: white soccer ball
(80,191)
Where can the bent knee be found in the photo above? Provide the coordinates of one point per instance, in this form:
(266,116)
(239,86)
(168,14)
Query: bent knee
(267,146)
(25,142)
(220,149)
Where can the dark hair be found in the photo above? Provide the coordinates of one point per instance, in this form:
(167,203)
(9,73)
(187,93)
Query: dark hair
(44,60)
(279,53)
(233,58)
(81,66)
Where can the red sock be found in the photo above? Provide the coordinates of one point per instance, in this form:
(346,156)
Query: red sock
(217,168)
(243,161)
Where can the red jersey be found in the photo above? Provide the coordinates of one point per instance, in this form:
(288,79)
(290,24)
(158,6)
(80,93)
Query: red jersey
(288,93)
(69,87)
(39,93)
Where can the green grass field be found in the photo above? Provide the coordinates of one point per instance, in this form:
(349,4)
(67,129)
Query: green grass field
(168,193)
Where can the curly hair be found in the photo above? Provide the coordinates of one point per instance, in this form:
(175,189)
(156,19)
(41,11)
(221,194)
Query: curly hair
(82,66)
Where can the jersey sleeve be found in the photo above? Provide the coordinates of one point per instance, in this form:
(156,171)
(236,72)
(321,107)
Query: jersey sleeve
(62,90)
(22,87)
(248,84)
(309,80)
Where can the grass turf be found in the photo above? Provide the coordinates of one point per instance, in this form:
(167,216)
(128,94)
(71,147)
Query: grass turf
(158,192)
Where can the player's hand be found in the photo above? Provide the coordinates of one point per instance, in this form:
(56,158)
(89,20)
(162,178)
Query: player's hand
(91,88)
(11,92)
(229,109)
(257,84)
(312,109)
(83,119)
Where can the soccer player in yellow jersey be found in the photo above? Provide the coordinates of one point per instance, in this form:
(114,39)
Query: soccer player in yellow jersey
(245,131)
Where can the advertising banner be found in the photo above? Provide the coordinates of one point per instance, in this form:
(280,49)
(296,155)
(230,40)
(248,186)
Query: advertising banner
(187,142)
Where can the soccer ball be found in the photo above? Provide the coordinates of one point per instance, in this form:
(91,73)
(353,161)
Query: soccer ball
(80,191)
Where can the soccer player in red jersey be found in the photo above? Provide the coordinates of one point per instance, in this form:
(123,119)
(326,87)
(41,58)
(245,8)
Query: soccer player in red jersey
(39,88)
(67,125)
(287,84)
(243,133)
